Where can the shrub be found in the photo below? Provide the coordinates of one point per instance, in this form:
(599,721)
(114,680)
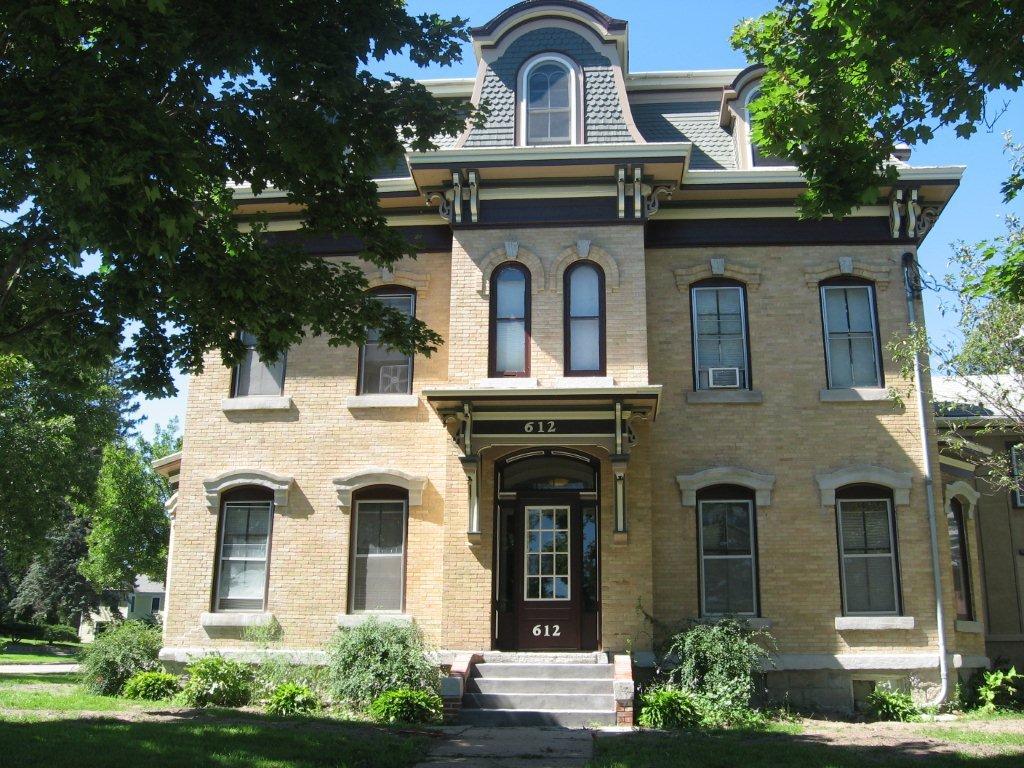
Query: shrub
(893,706)
(668,708)
(22,630)
(998,689)
(406,705)
(60,633)
(119,653)
(151,686)
(375,657)
(292,699)
(217,682)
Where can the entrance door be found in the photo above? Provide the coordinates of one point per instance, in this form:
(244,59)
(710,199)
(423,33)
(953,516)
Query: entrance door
(548,577)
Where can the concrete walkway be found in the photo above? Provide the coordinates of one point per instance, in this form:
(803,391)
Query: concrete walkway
(540,747)
(38,669)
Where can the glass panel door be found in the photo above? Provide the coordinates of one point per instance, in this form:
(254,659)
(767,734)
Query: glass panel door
(547,553)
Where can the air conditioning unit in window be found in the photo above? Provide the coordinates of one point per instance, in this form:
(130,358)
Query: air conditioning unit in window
(724,378)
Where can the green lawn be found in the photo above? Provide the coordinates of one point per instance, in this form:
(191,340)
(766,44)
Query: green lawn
(966,734)
(725,749)
(58,693)
(37,652)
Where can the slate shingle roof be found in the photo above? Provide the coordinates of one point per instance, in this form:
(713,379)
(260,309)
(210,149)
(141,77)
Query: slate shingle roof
(695,121)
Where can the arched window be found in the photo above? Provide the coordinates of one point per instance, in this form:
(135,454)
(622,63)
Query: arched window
(510,321)
(959,558)
(549,99)
(379,524)
(726,525)
(852,351)
(383,370)
(584,320)
(246,521)
(721,357)
(867,548)
(757,158)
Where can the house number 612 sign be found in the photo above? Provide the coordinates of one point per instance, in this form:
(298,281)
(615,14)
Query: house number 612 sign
(547,630)
(543,427)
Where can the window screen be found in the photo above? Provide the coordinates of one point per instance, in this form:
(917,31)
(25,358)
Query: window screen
(728,573)
(379,560)
(868,556)
(851,338)
(387,371)
(253,376)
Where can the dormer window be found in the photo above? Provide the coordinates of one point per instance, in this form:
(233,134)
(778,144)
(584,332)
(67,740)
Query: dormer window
(758,159)
(548,102)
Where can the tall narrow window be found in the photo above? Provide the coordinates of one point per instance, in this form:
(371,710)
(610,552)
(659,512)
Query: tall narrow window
(720,336)
(383,370)
(757,158)
(510,321)
(549,103)
(378,560)
(868,553)
(959,558)
(253,376)
(246,518)
(851,336)
(584,320)
(1017,467)
(727,553)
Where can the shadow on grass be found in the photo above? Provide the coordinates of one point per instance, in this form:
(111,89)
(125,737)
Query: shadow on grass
(757,749)
(206,738)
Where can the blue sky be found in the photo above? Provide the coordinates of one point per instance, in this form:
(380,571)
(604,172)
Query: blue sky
(666,35)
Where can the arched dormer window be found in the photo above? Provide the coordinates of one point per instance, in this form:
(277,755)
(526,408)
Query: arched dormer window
(548,98)
(383,370)
(584,320)
(510,321)
(755,157)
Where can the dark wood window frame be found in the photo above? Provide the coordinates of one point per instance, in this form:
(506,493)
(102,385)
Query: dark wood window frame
(869,492)
(567,319)
(958,518)
(728,493)
(377,493)
(388,290)
(721,282)
(256,493)
(841,282)
(492,345)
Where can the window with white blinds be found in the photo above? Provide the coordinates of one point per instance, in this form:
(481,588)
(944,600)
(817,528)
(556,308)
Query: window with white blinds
(584,329)
(383,370)
(510,322)
(253,376)
(720,332)
(866,541)
(728,570)
(851,339)
(378,562)
(244,544)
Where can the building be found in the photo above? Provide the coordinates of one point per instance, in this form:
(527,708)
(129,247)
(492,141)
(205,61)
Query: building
(144,603)
(661,396)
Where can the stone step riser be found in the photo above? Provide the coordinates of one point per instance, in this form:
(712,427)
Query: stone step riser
(546,671)
(562,702)
(511,717)
(540,657)
(529,685)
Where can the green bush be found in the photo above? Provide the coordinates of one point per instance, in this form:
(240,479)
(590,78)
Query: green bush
(22,630)
(892,706)
(999,690)
(60,633)
(375,657)
(405,705)
(669,708)
(120,652)
(292,699)
(214,681)
(151,686)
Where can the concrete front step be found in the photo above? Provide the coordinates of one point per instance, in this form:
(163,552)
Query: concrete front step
(531,717)
(562,702)
(538,685)
(545,671)
(545,657)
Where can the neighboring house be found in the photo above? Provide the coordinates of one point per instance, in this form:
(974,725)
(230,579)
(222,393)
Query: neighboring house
(145,603)
(982,516)
(660,393)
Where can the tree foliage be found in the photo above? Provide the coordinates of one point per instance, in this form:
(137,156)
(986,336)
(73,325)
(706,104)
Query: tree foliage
(123,127)
(847,80)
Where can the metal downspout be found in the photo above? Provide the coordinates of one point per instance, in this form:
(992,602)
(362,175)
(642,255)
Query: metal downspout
(911,281)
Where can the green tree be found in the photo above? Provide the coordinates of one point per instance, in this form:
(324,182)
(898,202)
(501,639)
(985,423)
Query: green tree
(129,525)
(51,442)
(124,125)
(847,80)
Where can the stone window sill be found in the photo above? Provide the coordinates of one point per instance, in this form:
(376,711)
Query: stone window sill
(854,395)
(355,619)
(356,402)
(739,396)
(235,619)
(256,403)
(869,623)
(972,627)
